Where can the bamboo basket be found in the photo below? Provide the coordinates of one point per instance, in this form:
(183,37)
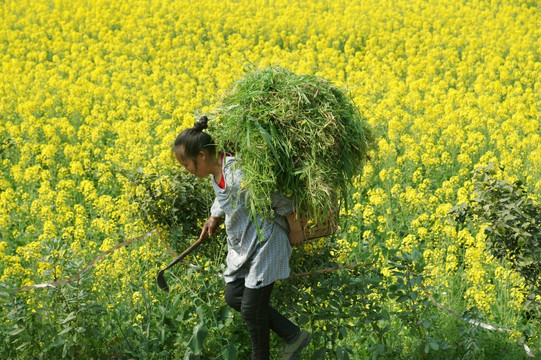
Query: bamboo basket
(322,228)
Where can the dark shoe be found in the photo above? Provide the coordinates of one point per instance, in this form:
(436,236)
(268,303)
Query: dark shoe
(291,351)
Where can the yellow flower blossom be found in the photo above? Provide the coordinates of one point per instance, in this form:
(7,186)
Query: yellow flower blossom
(86,97)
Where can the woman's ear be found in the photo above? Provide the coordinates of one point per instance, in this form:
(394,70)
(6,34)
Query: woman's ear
(202,156)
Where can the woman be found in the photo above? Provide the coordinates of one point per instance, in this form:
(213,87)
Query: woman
(253,263)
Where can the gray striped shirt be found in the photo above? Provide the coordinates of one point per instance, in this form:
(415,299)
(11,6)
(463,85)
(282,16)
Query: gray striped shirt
(259,261)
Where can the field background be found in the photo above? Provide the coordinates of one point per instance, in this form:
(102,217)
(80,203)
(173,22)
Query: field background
(92,92)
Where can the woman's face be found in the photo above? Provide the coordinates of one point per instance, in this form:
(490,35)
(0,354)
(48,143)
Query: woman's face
(197,167)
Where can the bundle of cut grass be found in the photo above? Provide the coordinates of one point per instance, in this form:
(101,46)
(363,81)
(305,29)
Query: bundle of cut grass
(297,134)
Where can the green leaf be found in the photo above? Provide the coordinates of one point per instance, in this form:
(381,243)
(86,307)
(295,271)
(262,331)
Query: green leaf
(199,312)
(199,334)
(403,298)
(23,346)
(223,313)
(378,349)
(230,352)
(425,323)
(66,330)
(16,331)
(70,317)
(58,343)
(320,353)
(270,143)
(303,319)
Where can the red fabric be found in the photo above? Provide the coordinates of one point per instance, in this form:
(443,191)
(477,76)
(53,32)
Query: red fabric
(221,184)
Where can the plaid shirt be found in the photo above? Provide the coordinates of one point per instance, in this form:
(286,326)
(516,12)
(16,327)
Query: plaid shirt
(263,262)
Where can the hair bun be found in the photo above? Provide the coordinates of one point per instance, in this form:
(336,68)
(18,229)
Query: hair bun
(201,124)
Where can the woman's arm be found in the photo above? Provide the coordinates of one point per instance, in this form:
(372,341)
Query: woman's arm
(295,230)
(284,206)
(216,215)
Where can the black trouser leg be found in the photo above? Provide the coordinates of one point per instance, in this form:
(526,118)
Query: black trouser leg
(259,317)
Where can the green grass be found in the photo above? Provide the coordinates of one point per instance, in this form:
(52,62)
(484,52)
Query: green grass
(298,134)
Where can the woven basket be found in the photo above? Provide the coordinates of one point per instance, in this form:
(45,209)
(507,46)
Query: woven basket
(323,228)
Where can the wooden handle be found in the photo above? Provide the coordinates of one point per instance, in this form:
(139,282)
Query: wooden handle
(186,252)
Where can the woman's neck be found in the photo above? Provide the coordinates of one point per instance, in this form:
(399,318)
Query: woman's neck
(216,169)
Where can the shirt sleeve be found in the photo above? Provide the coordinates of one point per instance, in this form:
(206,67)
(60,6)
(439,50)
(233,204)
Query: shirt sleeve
(216,211)
(282,204)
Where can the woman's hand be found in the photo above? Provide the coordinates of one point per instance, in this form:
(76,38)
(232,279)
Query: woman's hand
(295,237)
(295,230)
(210,227)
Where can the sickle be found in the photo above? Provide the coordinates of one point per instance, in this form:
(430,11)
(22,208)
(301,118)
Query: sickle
(161,279)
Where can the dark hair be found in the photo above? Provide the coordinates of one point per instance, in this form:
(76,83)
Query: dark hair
(194,139)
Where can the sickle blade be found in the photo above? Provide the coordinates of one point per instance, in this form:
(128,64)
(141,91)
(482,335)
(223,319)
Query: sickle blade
(161,281)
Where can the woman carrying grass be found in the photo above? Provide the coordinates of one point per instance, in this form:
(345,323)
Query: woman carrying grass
(254,262)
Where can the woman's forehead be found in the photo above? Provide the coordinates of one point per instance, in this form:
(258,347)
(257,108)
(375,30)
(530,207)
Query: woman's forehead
(179,151)
(179,154)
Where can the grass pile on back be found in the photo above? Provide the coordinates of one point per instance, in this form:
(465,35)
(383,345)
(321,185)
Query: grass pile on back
(297,134)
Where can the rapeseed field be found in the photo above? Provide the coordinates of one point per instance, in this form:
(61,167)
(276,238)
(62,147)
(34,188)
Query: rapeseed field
(93,92)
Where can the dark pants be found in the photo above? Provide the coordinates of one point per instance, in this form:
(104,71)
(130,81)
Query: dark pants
(259,317)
